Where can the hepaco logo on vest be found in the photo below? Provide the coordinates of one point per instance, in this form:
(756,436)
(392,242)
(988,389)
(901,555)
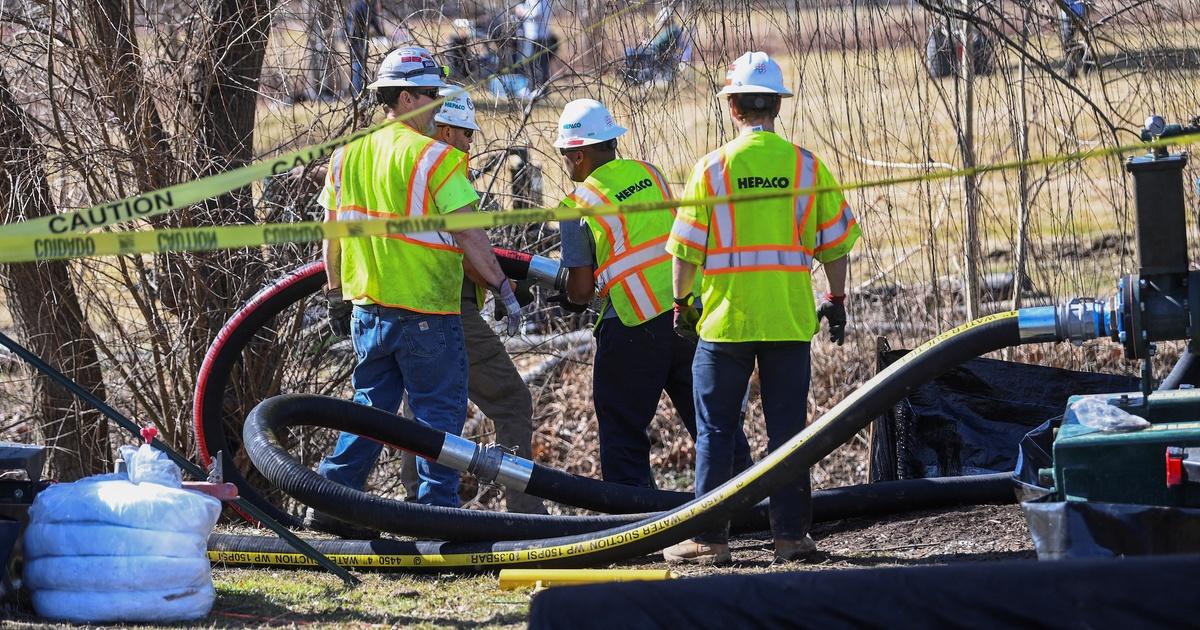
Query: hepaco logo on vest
(763,182)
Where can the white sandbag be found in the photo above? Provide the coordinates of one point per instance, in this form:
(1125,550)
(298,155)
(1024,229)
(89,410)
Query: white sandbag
(96,539)
(113,500)
(154,605)
(116,573)
(106,549)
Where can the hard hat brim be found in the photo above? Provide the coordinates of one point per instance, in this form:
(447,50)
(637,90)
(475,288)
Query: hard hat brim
(753,89)
(575,143)
(425,80)
(462,124)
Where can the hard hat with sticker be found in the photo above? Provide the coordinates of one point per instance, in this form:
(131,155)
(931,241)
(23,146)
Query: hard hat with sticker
(586,121)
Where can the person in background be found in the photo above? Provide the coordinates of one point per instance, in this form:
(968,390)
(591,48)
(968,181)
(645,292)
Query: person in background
(362,18)
(493,382)
(535,26)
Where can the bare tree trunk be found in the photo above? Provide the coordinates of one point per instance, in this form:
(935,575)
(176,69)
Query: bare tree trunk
(224,92)
(1019,257)
(225,82)
(319,33)
(47,313)
(966,141)
(121,69)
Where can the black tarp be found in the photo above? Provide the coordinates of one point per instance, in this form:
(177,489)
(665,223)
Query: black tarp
(970,419)
(1079,529)
(1128,593)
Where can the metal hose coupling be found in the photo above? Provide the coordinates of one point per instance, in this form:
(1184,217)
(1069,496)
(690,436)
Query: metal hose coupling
(489,463)
(548,272)
(1077,321)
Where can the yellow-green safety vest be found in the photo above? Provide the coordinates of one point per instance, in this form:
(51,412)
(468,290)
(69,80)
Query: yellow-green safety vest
(633,269)
(399,172)
(757,255)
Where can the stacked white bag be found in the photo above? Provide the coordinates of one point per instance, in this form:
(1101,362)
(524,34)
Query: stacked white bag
(122,547)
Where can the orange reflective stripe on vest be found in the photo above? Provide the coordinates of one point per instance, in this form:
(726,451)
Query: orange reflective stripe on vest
(832,233)
(420,197)
(728,257)
(633,267)
(757,253)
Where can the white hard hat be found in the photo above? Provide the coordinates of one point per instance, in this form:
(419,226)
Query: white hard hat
(586,121)
(754,73)
(457,109)
(410,66)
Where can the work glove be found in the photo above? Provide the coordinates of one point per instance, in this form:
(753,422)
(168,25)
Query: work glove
(524,293)
(686,317)
(506,298)
(339,312)
(565,304)
(833,309)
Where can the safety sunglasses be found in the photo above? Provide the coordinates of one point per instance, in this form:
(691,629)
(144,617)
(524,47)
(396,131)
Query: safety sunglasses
(429,93)
(469,133)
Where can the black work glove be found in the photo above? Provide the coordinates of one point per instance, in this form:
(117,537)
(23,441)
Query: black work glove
(834,311)
(339,312)
(567,305)
(686,317)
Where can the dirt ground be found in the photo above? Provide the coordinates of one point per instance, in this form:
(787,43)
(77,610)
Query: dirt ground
(260,597)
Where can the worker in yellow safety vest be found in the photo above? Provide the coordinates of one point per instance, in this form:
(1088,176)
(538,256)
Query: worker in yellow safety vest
(756,257)
(623,259)
(405,288)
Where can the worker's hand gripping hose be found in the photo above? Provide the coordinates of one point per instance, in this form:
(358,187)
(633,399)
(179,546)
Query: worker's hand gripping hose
(743,491)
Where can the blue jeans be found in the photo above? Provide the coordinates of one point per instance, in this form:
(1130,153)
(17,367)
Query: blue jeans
(398,351)
(720,373)
(634,366)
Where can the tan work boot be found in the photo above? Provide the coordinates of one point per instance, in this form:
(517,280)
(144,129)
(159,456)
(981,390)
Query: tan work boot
(790,549)
(696,552)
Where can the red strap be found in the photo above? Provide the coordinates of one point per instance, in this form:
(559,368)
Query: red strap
(836,299)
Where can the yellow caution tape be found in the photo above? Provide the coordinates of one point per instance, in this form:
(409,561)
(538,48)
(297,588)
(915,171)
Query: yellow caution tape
(20,244)
(163,200)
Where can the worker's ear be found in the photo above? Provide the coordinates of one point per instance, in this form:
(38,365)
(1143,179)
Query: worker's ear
(734,110)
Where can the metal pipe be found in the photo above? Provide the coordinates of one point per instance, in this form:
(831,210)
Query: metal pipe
(1077,321)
